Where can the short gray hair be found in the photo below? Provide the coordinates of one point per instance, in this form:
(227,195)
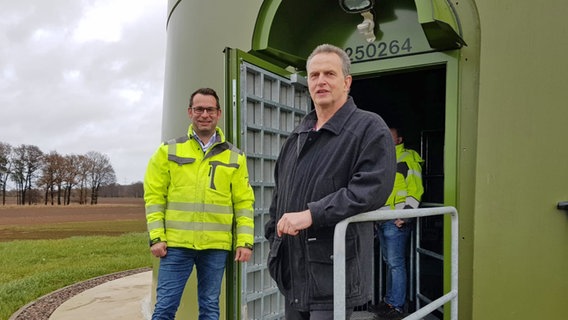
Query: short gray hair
(328,48)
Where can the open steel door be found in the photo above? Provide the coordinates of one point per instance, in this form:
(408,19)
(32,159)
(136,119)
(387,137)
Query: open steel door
(264,104)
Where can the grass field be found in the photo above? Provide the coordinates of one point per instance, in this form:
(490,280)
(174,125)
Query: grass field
(44,248)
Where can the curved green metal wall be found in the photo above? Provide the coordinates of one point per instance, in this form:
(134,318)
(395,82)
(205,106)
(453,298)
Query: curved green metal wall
(510,167)
(197,33)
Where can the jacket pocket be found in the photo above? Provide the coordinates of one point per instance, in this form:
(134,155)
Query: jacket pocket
(220,178)
(182,172)
(320,267)
(180,160)
(274,263)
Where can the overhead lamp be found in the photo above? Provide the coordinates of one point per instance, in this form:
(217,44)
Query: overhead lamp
(356,6)
(367,27)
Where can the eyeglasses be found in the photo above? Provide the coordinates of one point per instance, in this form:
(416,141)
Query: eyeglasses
(209,110)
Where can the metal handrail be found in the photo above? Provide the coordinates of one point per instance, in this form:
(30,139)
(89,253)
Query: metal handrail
(376,215)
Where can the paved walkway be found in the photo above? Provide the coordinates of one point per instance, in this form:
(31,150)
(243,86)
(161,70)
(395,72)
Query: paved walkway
(127,298)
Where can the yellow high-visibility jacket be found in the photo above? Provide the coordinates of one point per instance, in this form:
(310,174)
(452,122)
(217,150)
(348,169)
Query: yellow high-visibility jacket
(408,189)
(198,200)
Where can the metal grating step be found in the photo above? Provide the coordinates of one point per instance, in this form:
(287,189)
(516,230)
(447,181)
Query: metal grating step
(364,315)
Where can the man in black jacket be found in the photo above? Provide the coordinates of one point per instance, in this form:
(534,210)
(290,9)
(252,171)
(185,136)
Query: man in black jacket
(339,162)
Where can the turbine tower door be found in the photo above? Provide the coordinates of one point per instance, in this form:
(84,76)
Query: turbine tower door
(267,102)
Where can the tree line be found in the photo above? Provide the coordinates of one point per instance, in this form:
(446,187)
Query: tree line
(53,178)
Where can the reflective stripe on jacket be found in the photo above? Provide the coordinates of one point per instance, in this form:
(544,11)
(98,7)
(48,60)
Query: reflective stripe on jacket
(196,200)
(408,188)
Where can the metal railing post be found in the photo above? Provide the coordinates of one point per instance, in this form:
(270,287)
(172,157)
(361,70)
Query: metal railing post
(339,299)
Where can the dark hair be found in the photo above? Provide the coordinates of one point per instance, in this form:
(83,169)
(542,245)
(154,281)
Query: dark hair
(205,92)
(399,130)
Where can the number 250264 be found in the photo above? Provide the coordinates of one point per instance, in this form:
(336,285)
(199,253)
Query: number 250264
(379,50)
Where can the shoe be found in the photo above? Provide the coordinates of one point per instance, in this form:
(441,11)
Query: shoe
(382,308)
(393,314)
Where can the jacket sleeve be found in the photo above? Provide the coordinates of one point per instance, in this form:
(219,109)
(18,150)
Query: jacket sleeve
(156,182)
(413,180)
(243,200)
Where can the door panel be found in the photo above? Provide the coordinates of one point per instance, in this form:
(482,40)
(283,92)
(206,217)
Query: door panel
(267,107)
(414,99)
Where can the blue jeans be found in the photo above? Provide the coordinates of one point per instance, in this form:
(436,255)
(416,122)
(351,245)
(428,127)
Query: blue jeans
(175,269)
(393,245)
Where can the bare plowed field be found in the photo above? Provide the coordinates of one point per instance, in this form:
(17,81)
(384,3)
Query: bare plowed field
(109,217)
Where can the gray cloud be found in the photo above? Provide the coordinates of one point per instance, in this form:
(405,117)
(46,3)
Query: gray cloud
(72,95)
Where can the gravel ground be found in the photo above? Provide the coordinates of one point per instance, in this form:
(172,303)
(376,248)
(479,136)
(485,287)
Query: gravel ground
(42,308)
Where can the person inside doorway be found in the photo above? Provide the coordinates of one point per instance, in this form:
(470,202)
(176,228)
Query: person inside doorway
(393,234)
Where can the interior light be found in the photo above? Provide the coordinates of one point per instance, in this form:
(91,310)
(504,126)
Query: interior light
(356,6)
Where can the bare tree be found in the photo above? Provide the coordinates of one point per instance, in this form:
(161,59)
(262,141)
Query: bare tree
(70,176)
(18,174)
(46,180)
(5,167)
(133,190)
(100,172)
(27,161)
(52,177)
(136,190)
(59,176)
(83,165)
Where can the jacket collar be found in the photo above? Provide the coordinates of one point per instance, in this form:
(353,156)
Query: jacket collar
(399,147)
(220,137)
(335,124)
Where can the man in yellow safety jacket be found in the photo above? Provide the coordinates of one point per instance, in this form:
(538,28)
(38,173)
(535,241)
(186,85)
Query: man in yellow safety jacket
(393,234)
(408,189)
(197,195)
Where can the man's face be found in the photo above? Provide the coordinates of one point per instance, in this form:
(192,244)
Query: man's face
(204,114)
(326,82)
(395,137)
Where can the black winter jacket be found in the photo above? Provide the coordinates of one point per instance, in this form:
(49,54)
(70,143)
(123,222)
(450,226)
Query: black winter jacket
(345,168)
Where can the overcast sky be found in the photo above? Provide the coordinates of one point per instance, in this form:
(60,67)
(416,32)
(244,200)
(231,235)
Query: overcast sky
(84,75)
